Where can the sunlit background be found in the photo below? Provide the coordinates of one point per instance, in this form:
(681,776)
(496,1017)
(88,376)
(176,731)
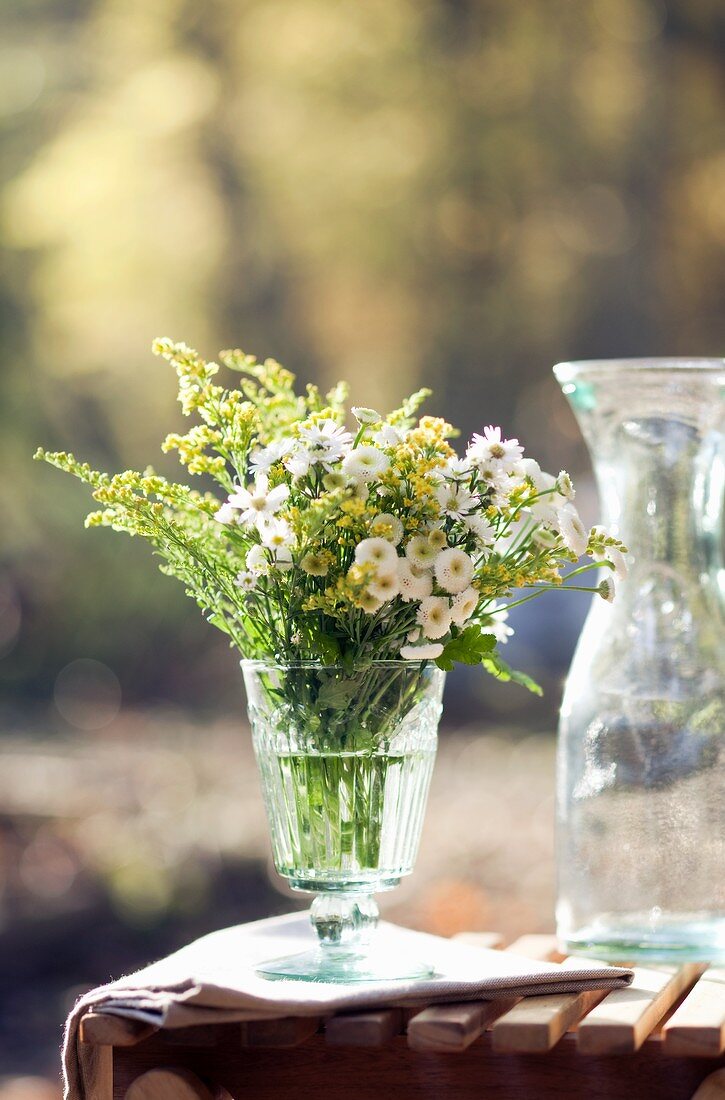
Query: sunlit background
(400,192)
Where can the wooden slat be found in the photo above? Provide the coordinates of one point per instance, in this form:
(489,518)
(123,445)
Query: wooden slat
(452,1028)
(536,1024)
(535,945)
(288,1031)
(103,1029)
(491,940)
(364,1029)
(624,1019)
(455,1027)
(697,1026)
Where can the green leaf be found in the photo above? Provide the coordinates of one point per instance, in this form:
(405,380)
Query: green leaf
(335,694)
(496,665)
(327,648)
(469,647)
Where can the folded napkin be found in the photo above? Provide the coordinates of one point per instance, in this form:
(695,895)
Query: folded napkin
(213,981)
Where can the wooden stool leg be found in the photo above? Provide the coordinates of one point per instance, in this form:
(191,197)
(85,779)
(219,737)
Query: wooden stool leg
(713,1087)
(168,1084)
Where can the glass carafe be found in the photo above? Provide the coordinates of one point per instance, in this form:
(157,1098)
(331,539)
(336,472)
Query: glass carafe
(641,760)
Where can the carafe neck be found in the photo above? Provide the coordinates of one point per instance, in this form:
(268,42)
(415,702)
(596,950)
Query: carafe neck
(655,429)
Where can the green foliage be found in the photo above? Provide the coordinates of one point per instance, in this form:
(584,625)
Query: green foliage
(495,664)
(471,646)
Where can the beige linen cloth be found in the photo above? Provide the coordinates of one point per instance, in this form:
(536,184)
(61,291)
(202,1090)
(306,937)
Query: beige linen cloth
(213,980)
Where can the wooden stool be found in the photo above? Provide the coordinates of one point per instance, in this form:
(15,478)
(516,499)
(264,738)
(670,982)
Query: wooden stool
(662,1038)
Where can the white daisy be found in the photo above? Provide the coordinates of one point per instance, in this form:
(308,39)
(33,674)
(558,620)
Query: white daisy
(531,469)
(325,442)
(457,469)
(496,479)
(261,459)
(545,511)
(376,551)
(420,552)
(365,463)
(385,585)
(564,486)
(387,526)
(491,448)
(572,530)
(387,436)
(276,534)
(258,502)
(434,616)
(516,476)
(257,560)
(421,652)
(246,580)
(282,558)
(479,526)
(437,538)
(464,605)
(453,569)
(299,461)
(455,500)
(413,585)
(226,513)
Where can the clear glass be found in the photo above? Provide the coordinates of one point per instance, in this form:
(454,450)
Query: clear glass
(641,760)
(345,758)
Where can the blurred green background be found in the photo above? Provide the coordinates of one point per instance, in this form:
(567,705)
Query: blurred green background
(400,192)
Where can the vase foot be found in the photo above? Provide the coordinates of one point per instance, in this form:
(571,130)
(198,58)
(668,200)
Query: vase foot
(330,964)
(347,949)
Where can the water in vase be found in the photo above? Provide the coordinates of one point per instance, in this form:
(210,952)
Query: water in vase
(345,821)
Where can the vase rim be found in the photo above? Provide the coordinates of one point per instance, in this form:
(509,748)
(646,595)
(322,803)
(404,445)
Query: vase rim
(573,368)
(256,664)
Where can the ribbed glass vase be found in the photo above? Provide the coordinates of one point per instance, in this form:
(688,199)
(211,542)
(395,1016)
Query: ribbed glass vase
(345,757)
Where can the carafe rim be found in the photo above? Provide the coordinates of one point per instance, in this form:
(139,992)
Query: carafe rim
(571,369)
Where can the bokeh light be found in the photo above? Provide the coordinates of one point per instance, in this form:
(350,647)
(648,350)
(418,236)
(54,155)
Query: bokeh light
(87,694)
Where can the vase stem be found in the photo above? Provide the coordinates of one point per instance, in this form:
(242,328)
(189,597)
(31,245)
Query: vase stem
(344,920)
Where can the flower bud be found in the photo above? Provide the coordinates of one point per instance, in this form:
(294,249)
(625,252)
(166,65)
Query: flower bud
(365,416)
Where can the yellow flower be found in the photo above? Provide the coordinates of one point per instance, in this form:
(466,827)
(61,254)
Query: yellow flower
(317,565)
(353,507)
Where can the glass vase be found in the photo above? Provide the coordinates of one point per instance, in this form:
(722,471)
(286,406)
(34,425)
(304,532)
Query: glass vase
(345,757)
(641,759)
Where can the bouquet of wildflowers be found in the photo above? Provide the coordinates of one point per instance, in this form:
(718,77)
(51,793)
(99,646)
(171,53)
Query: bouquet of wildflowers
(347,544)
(345,558)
